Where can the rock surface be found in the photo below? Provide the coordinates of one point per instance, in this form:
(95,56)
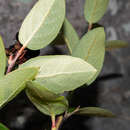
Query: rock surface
(111,90)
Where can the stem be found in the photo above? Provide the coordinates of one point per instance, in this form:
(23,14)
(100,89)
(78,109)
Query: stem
(13,61)
(67,115)
(53,127)
(59,122)
(90,26)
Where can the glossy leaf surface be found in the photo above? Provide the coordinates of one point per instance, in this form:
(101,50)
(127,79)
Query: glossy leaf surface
(42,24)
(92,49)
(46,101)
(13,83)
(2,58)
(95,111)
(94,10)
(61,73)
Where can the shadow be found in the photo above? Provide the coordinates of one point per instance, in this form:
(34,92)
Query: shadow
(86,96)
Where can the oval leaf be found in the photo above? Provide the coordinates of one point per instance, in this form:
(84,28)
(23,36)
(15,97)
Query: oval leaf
(42,24)
(94,10)
(3,127)
(46,101)
(92,49)
(94,111)
(70,36)
(13,83)
(2,58)
(114,44)
(61,73)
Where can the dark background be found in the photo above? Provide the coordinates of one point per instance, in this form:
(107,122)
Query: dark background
(111,90)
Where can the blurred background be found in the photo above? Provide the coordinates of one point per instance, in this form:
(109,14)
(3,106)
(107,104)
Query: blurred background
(112,88)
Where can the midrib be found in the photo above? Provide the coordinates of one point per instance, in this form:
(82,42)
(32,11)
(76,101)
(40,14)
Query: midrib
(64,73)
(42,21)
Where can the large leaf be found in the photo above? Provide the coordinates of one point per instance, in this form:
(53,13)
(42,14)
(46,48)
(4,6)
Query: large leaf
(13,83)
(114,44)
(42,24)
(70,36)
(2,58)
(3,127)
(61,73)
(94,10)
(46,101)
(92,49)
(94,111)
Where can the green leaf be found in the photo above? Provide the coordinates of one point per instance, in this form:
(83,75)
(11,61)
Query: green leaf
(46,101)
(3,127)
(13,83)
(2,58)
(42,24)
(114,44)
(94,111)
(94,10)
(92,49)
(42,92)
(70,36)
(61,73)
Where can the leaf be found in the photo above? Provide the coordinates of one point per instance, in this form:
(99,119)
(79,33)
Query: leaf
(13,83)
(114,44)
(92,49)
(42,24)
(94,111)
(46,101)
(2,58)
(25,1)
(42,92)
(70,36)
(3,127)
(94,10)
(61,73)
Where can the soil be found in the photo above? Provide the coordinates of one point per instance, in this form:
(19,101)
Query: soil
(111,90)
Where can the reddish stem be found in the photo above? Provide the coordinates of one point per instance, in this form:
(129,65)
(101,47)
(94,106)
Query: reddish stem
(90,27)
(53,127)
(13,61)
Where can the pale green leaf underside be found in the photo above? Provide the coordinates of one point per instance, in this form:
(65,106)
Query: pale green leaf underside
(92,49)
(2,58)
(95,9)
(46,101)
(95,111)
(13,83)
(114,44)
(61,73)
(70,36)
(42,24)
(3,127)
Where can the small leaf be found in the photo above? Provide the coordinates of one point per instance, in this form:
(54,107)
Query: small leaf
(70,36)
(3,127)
(2,58)
(92,49)
(114,44)
(42,92)
(13,83)
(46,101)
(61,73)
(25,1)
(94,111)
(42,24)
(94,10)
